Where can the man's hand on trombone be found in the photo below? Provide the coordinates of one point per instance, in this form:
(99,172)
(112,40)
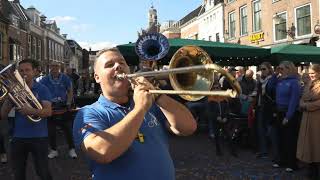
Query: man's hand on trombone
(141,95)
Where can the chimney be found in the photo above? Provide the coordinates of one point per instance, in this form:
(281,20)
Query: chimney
(65,35)
(43,18)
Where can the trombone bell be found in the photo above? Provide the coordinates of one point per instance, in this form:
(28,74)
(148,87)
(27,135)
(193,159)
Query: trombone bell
(189,56)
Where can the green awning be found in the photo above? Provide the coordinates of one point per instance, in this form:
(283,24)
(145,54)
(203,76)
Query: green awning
(221,53)
(296,53)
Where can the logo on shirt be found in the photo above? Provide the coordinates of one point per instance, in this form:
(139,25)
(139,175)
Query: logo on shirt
(153,121)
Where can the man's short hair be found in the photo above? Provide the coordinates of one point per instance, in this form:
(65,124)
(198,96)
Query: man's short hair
(113,49)
(34,64)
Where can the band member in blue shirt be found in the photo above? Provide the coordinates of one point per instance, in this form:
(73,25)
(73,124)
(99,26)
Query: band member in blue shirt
(60,86)
(28,136)
(125,137)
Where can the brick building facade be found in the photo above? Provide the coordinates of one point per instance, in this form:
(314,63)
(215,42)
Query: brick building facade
(267,23)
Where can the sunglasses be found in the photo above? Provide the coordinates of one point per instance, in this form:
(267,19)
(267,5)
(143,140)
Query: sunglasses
(263,69)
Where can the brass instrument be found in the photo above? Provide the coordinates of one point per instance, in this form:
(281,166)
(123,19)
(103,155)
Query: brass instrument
(13,85)
(191,73)
(152,46)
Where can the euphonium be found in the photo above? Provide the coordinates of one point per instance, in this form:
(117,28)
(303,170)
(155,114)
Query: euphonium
(152,46)
(13,85)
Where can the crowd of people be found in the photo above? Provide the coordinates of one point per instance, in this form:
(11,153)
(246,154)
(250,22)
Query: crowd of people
(280,106)
(127,128)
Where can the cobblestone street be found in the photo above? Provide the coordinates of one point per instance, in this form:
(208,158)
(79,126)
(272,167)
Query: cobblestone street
(194,158)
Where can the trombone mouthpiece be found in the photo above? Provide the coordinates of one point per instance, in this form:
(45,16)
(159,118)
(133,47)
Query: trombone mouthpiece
(121,76)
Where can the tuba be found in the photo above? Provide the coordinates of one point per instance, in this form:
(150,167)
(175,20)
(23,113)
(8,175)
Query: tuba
(152,46)
(13,85)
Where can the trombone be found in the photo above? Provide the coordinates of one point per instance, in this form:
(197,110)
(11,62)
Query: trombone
(191,74)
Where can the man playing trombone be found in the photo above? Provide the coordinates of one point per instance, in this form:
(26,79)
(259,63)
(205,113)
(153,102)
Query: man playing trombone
(28,136)
(125,137)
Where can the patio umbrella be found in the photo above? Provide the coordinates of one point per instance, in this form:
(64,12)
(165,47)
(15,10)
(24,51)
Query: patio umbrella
(296,53)
(221,53)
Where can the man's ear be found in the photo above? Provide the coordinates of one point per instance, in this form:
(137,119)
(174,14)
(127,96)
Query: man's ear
(96,77)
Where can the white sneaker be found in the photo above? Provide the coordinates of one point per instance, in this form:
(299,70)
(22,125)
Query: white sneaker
(3,158)
(73,154)
(212,136)
(53,154)
(276,165)
(289,169)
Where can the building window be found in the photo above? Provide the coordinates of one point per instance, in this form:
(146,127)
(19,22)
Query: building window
(244,20)
(1,46)
(217,37)
(256,16)
(303,20)
(280,26)
(29,46)
(34,48)
(14,20)
(232,25)
(52,50)
(21,53)
(12,52)
(39,50)
(58,52)
(49,44)
(62,51)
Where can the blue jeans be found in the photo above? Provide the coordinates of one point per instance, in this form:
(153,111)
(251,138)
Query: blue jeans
(20,149)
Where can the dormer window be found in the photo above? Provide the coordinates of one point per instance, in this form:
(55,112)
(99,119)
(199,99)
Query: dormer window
(36,19)
(15,20)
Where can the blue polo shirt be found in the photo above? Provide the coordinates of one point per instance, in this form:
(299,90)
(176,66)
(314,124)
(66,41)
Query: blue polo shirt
(58,87)
(149,160)
(25,128)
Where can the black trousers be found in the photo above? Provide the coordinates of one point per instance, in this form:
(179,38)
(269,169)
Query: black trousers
(2,148)
(65,123)
(288,136)
(20,149)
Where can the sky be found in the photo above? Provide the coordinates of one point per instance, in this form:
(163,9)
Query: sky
(102,23)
